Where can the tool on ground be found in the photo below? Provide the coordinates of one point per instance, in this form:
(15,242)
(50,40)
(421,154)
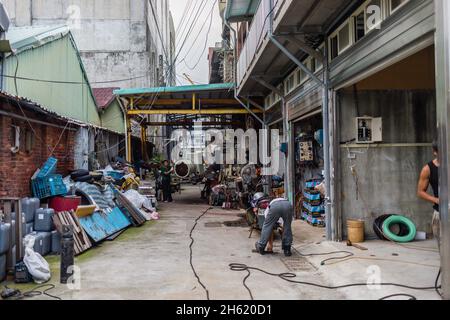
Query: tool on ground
(357,246)
(9,293)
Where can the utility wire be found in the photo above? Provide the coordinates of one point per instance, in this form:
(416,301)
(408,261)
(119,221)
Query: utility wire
(210,15)
(186,14)
(194,21)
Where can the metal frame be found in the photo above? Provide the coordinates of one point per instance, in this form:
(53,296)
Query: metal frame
(331,223)
(442,12)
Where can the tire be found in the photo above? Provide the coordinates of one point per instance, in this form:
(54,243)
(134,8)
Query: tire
(79,173)
(84,179)
(400,220)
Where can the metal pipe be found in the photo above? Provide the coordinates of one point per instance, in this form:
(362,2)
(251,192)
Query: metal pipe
(442,12)
(16,116)
(125,123)
(330,219)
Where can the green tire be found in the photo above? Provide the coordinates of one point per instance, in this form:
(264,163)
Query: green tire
(399,220)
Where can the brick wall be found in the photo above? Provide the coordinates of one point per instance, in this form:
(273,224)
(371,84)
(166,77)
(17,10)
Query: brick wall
(17,169)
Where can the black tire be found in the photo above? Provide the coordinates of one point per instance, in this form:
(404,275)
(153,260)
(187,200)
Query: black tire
(79,173)
(87,178)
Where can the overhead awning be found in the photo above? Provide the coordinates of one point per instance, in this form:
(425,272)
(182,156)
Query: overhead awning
(241,10)
(210,99)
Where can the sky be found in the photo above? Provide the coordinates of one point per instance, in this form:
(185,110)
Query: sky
(192,51)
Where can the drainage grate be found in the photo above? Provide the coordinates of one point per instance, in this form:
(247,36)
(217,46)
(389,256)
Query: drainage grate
(241,223)
(213,224)
(297,263)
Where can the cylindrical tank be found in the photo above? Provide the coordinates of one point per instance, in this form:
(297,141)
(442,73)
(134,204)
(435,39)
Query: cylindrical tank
(5,232)
(2,267)
(56,242)
(183,169)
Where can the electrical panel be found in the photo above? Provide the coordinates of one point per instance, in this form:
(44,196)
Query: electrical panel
(369,130)
(306,151)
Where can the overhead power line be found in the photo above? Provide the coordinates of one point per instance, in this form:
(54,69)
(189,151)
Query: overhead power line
(210,15)
(206,40)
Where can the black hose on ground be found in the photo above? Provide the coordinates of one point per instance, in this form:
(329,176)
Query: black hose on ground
(191,253)
(289,277)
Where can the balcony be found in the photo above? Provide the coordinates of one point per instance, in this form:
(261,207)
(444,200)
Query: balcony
(306,19)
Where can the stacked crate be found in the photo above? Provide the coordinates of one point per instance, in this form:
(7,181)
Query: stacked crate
(313,208)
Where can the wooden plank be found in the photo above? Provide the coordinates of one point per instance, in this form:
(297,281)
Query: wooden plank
(83,235)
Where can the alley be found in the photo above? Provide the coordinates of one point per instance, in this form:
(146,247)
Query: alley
(152,262)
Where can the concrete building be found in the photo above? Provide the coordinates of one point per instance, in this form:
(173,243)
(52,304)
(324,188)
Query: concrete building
(119,39)
(363,81)
(359,88)
(123,43)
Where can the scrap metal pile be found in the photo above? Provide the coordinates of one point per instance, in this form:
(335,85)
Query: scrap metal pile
(96,206)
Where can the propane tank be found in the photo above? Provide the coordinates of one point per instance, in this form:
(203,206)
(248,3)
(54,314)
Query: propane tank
(67,253)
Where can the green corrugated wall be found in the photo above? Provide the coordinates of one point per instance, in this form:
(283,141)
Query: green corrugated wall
(112,118)
(57,60)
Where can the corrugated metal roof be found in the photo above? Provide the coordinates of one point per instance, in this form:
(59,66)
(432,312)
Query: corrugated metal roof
(179,89)
(24,38)
(31,105)
(241,10)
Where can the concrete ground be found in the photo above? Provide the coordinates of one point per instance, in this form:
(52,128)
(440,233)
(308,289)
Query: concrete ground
(152,262)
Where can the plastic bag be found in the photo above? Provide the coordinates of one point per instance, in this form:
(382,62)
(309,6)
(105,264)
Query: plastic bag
(139,200)
(37,266)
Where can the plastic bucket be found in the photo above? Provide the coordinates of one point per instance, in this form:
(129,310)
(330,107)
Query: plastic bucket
(355,230)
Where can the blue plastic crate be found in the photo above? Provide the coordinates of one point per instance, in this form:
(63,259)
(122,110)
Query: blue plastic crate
(115,175)
(311,184)
(48,168)
(313,209)
(49,186)
(312,195)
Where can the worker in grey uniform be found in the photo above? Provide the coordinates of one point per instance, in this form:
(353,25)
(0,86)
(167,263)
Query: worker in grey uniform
(278,208)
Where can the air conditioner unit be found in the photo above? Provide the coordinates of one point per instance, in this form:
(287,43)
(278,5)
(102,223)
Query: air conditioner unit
(369,130)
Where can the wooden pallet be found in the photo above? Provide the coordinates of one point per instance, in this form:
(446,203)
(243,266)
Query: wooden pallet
(81,240)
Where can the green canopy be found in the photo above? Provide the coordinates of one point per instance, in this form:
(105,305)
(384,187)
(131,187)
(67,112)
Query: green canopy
(241,10)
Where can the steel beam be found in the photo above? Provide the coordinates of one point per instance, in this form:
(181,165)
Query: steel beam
(177,102)
(304,47)
(264,83)
(191,123)
(193,112)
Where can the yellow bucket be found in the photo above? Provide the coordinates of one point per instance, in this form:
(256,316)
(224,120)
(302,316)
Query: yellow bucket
(355,230)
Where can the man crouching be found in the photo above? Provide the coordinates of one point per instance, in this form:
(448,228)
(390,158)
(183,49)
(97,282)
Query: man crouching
(278,208)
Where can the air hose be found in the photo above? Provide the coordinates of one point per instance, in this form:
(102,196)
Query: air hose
(289,277)
(399,220)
